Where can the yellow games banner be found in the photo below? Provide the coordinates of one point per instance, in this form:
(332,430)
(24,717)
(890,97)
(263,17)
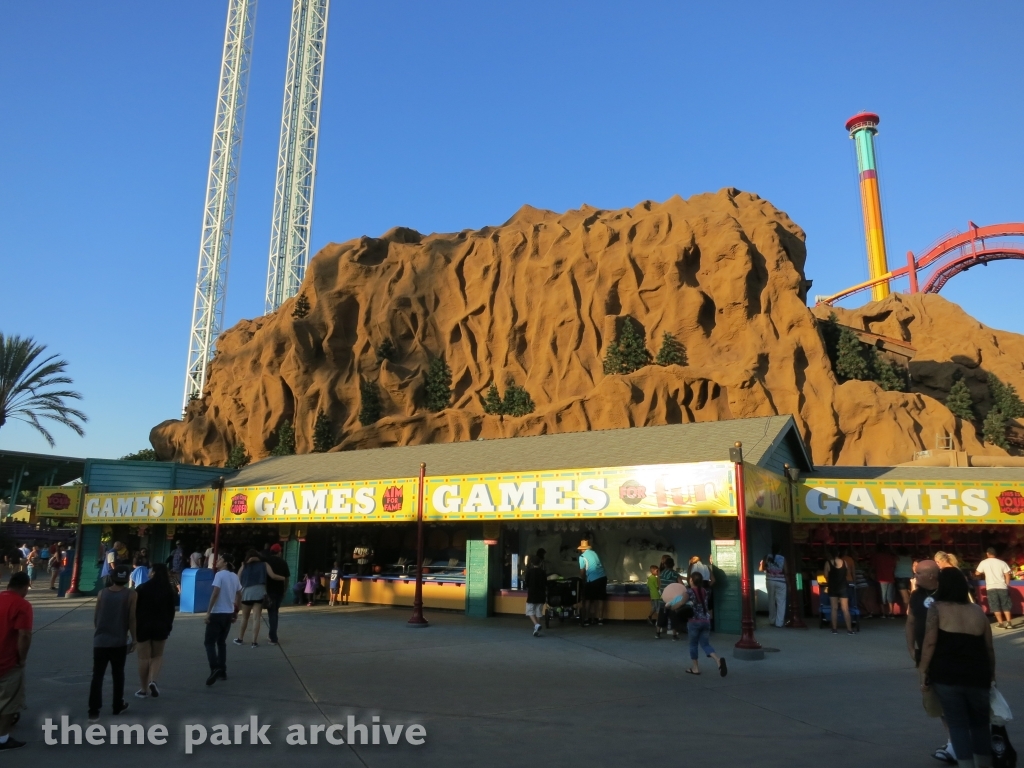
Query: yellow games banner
(151,507)
(767,494)
(909,501)
(377,501)
(662,490)
(59,501)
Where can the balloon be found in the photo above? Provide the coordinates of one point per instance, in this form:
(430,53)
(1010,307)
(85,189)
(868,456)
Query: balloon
(673,593)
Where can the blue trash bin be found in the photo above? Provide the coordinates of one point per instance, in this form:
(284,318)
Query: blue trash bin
(196,588)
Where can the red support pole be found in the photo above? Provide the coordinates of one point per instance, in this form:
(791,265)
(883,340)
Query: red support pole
(912,271)
(76,566)
(417,619)
(747,645)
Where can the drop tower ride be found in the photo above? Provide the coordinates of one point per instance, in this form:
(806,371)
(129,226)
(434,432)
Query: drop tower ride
(862,128)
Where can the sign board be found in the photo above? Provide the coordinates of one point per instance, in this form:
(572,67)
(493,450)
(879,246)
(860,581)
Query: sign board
(822,500)
(149,507)
(767,494)
(369,501)
(60,501)
(728,598)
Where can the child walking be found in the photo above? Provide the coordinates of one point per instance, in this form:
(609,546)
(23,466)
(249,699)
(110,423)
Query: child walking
(335,583)
(310,588)
(653,586)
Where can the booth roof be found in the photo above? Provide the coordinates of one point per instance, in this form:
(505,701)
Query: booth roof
(949,474)
(671,444)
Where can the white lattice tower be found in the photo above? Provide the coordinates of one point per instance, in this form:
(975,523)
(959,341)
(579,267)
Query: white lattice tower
(296,162)
(218,216)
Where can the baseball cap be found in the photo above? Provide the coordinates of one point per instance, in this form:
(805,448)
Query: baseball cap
(275,548)
(120,574)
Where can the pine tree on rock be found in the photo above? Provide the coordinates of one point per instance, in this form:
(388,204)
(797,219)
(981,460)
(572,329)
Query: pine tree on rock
(891,377)
(301,308)
(850,361)
(830,331)
(370,406)
(993,430)
(492,401)
(387,351)
(517,400)
(672,352)
(627,353)
(1004,398)
(285,440)
(323,433)
(439,385)
(959,402)
(238,458)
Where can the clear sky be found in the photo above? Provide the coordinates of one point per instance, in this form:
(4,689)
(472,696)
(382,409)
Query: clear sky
(441,116)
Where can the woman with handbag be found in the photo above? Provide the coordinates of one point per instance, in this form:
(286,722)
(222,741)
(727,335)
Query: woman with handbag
(154,618)
(698,626)
(253,576)
(958,662)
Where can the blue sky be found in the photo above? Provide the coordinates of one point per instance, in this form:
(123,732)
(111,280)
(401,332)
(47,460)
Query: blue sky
(442,116)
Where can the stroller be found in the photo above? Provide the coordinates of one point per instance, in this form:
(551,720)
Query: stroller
(563,596)
(825,611)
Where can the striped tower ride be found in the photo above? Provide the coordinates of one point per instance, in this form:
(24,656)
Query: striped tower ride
(863,128)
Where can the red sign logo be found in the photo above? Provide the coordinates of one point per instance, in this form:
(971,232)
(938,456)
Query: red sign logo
(1011,503)
(632,492)
(393,498)
(58,501)
(238,504)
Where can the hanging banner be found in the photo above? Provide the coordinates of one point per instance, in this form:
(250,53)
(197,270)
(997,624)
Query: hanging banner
(60,501)
(376,501)
(821,500)
(661,490)
(767,494)
(150,507)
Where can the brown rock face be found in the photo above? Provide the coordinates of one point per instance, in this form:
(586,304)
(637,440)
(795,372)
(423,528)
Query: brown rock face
(539,299)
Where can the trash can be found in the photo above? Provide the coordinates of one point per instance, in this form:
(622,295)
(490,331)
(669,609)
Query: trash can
(196,588)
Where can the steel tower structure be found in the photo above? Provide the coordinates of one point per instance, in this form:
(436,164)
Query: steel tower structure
(222,179)
(862,128)
(296,162)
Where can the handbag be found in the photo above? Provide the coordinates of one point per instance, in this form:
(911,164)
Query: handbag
(1003,753)
(999,710)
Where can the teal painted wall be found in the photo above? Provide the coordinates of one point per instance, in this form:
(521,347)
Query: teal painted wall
(478,570)
(112,476)
(292,555)
(89,573)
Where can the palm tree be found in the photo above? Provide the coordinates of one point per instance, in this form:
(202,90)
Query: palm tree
(25,387)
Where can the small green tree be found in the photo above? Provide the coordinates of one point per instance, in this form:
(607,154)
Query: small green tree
(285,440)
(993,430)
(891,377)
(672,352)
(238,458)
(850,360)
(146,454)
(1004,398)
(370,406)
(517,400)
(439,385)
(492,401)
(387,351)
(830,332)
(323,433)
(959,401)
(627,353)
(301,308)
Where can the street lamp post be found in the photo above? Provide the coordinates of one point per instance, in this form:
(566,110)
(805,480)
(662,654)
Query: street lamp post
(795,619)
(417,619)
(747,647)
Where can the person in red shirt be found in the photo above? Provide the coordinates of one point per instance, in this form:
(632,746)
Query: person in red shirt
(884,562)
(15,639)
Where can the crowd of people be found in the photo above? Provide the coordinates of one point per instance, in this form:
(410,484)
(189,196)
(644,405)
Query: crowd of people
(37,560)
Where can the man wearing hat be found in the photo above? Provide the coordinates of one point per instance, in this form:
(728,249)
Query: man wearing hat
(114,620)
(275,589)
(595,585)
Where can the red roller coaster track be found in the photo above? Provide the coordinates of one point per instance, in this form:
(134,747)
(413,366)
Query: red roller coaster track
(951,256)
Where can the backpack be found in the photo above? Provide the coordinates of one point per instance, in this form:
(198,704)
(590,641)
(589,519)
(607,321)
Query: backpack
(1003,753)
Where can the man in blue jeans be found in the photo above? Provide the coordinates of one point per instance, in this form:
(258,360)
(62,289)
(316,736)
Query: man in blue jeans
(275,589)
(221,614)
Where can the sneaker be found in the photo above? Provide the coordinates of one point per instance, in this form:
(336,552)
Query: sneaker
(834,632)
(94,717)
(120,709)
(214,675)
(237,641)
(536,631)
(657,635)
(600,622)
(255,645)
(141,694)
(153,690)
(223,675)
(272,642)
(12,743)
(651,621)
(851,632)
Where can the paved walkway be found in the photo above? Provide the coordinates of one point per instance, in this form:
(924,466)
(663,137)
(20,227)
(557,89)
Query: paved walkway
(489,693)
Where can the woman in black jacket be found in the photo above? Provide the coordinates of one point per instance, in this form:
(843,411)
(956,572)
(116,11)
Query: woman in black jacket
(154,615)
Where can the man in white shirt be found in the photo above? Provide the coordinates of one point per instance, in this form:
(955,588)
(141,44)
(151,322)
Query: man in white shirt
(210,562)
(195,560)
(221,614)
(774,569)
(997,587)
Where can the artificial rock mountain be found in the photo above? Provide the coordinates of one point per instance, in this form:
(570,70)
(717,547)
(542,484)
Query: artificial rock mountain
(539,299)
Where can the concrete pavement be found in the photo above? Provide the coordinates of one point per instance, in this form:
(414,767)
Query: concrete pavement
(488,692)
